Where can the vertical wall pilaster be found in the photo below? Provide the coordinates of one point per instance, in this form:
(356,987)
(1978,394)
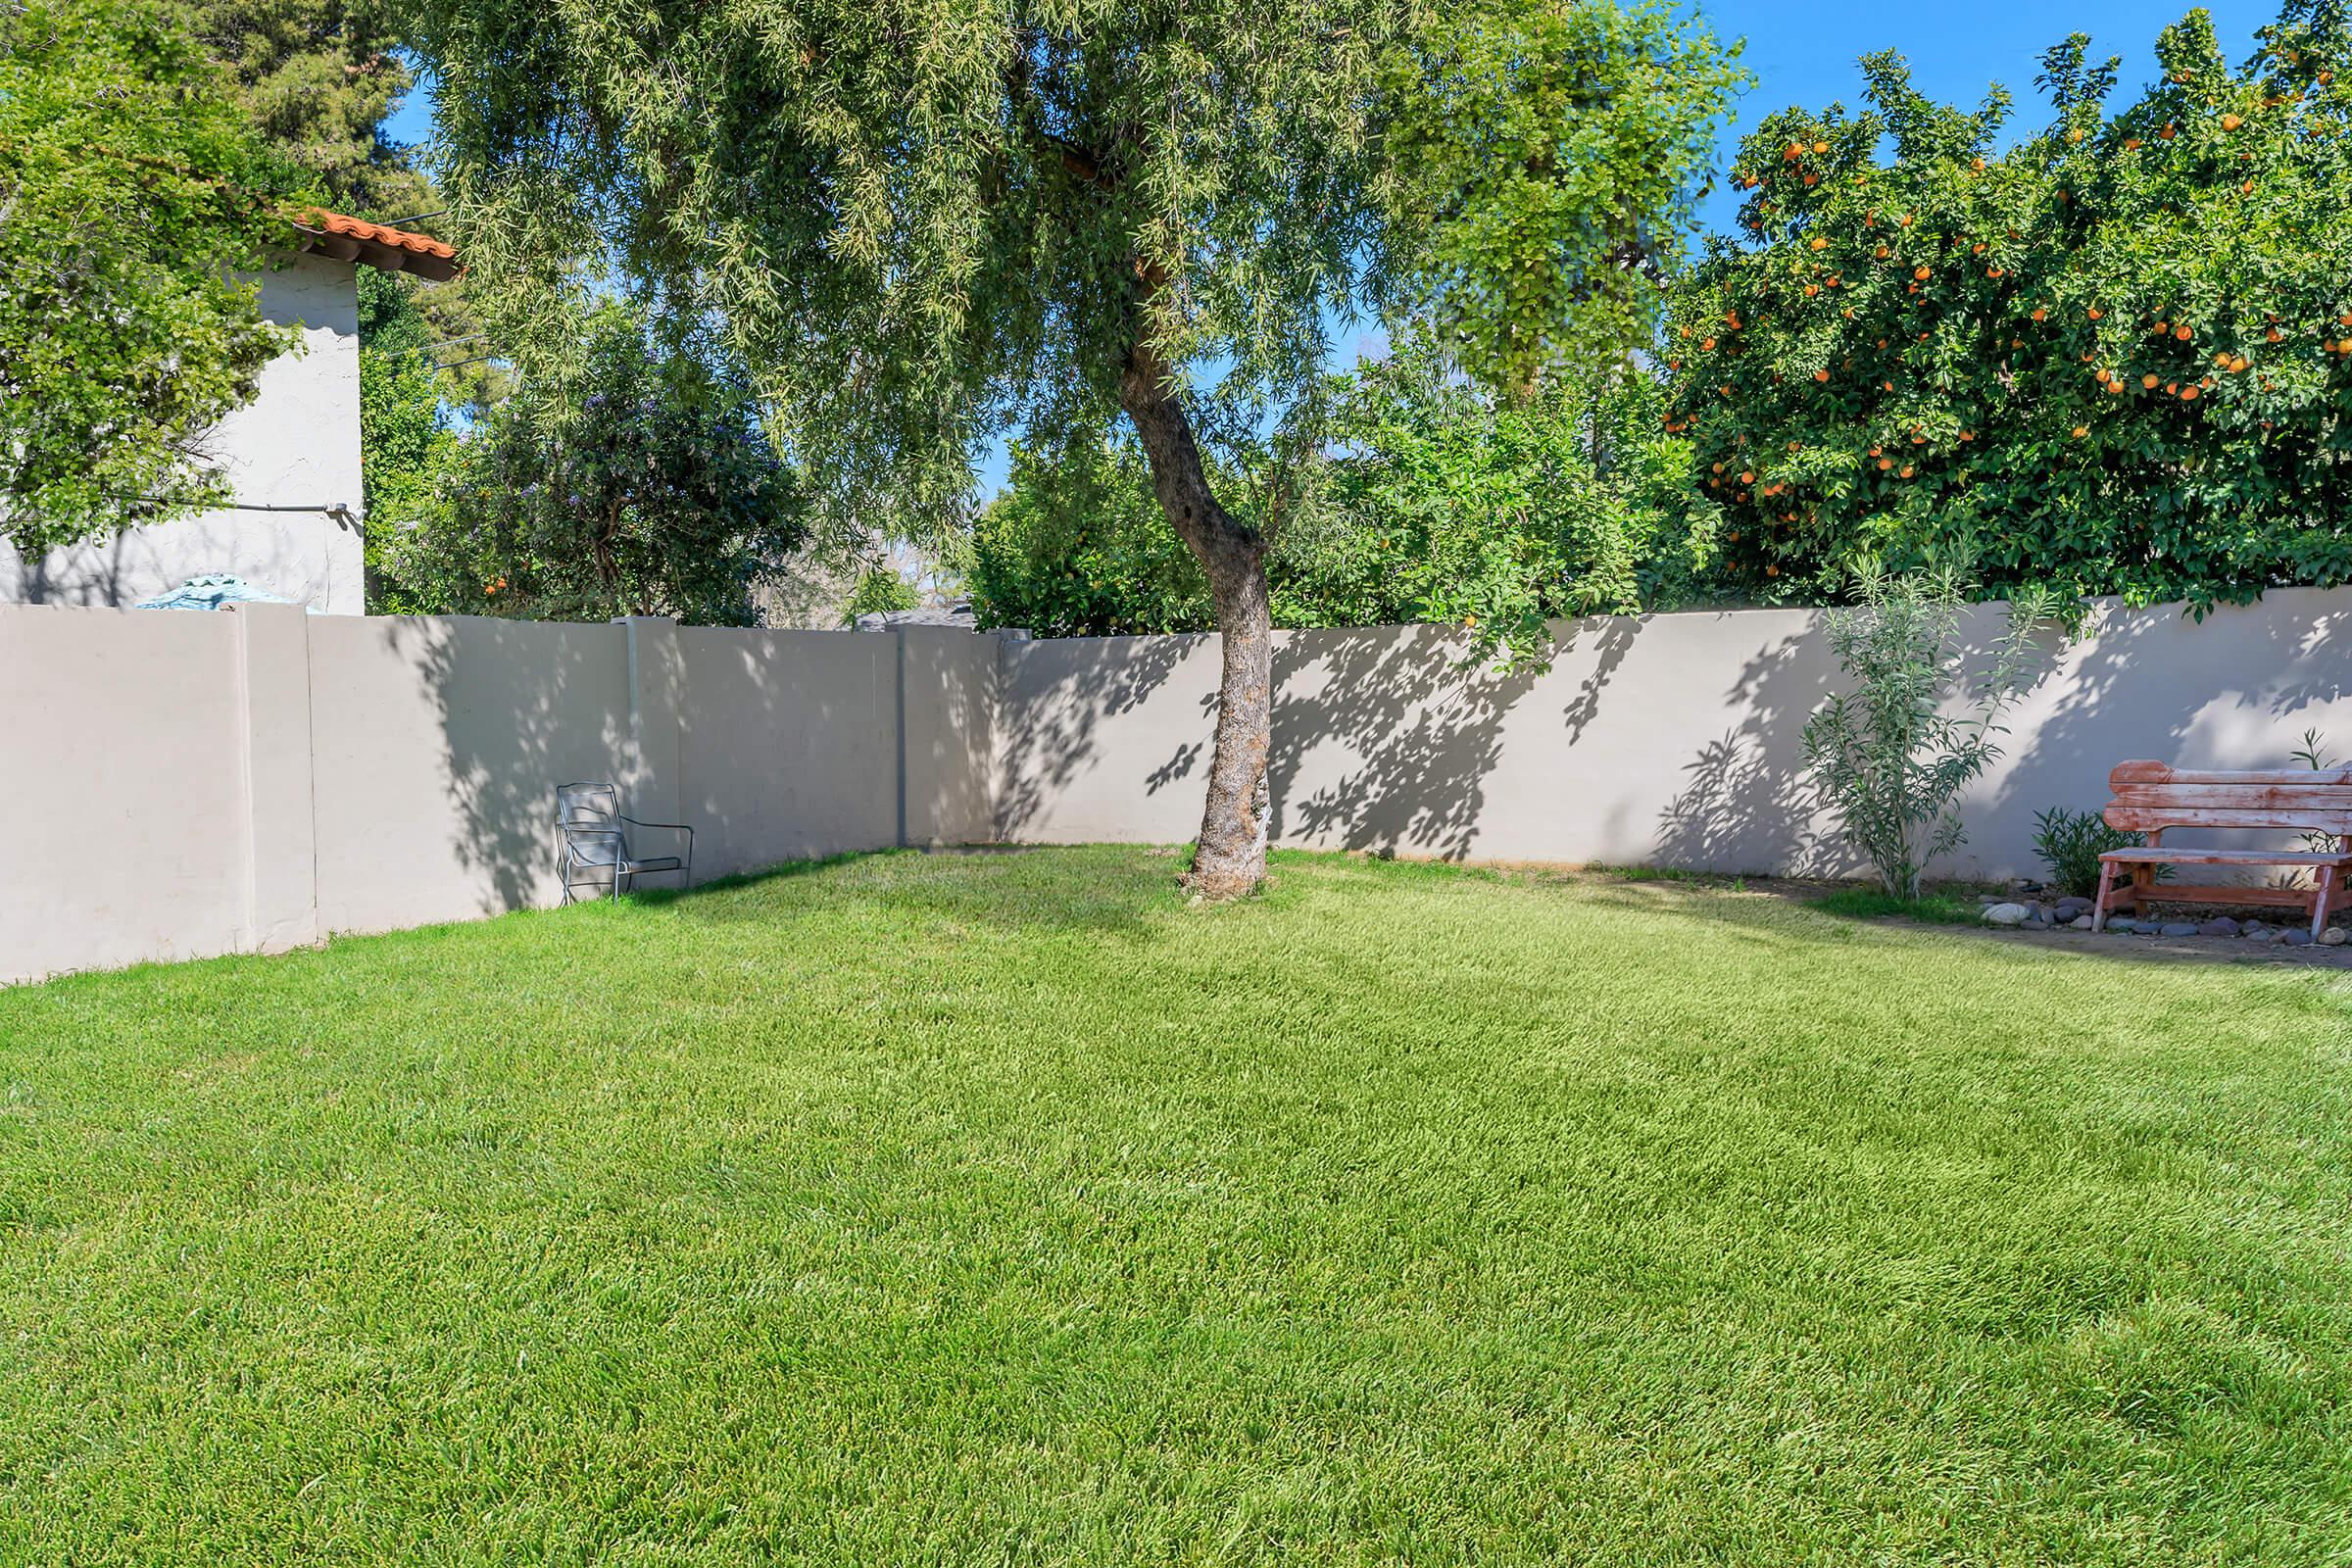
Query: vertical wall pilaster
(280,828)
(653,786)
(1005,725)
(898,688)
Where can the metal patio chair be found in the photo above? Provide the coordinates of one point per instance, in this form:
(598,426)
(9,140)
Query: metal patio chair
(596,841)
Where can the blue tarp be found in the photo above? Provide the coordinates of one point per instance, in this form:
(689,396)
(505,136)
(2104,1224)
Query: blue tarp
(210,592)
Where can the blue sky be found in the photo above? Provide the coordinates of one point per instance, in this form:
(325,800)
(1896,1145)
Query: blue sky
(1805,53)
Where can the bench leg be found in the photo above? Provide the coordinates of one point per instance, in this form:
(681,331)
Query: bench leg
(2098,911)
(2318,901)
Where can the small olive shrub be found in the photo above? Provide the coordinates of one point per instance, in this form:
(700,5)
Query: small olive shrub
(1890,754)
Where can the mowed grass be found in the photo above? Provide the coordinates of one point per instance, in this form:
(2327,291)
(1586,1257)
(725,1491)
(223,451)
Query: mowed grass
(1011,1210)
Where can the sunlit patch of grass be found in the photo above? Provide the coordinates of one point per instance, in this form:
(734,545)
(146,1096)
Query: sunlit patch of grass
(1010,1208)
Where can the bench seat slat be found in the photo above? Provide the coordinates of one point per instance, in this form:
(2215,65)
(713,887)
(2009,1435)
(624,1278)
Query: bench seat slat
(2145,857)
(2125,896)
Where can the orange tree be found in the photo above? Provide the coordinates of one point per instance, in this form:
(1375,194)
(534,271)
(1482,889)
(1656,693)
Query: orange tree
(2115,359)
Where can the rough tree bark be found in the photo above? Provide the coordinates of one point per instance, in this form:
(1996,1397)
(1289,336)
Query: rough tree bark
(1232,855)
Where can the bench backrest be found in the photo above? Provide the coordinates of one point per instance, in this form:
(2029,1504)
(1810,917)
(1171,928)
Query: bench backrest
(2153,795)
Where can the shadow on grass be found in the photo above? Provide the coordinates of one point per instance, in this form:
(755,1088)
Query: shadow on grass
(1874,904)
(1868,915)
(1109,889)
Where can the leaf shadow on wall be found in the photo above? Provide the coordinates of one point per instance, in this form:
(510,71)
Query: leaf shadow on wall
(1058,738)
(2236,690)
(1425,729)
(522,706)
(1745,804)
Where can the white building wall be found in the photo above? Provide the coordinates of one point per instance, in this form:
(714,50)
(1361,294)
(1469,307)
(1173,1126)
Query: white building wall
(297,444)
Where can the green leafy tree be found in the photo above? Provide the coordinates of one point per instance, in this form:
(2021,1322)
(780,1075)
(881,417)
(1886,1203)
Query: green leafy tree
(878,591)
(1435,502)
(1076,546)
(407,445)
(933,224)
(2116,358)
(638,481)
(136,201)
(321,78)
(1492,514)
(1548,157)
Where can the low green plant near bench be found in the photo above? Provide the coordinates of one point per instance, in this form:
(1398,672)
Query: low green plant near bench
(2070,844)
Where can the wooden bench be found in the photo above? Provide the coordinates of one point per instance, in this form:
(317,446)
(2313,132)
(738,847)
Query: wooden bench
(2153,798)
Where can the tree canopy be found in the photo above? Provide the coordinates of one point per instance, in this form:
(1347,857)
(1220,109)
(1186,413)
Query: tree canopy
(927,223)
(134,191)
(1431,501)
(638,481)
(2115,359)
(406,448)
(1548,157)
(320,78)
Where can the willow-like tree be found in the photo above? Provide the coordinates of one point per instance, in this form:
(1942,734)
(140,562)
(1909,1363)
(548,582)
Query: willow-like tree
(931,223)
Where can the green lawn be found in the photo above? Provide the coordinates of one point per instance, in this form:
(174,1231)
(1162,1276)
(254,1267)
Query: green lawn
(1009,1211)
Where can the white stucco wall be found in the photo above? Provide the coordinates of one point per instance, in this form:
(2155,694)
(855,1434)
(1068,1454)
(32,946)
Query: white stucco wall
(296,444)
(189,784)
(1671,740)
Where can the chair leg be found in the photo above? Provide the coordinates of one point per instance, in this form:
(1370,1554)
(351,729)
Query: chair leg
(2098,911)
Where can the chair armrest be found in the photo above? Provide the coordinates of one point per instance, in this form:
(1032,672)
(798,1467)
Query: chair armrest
(687,871)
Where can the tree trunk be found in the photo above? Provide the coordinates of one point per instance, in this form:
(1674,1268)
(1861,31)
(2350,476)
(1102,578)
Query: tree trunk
(1232,855)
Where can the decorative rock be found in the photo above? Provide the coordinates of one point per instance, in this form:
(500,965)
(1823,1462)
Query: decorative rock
(2294,939)
(2005,914)
(2037,922)
(2070,907)
(2177,928)
(2255,929)
(2223,927)
(2081,922)
(2333,936)
(2127,925)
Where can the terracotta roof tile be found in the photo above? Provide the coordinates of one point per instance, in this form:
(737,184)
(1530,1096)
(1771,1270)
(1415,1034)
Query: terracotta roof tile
(379,245)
